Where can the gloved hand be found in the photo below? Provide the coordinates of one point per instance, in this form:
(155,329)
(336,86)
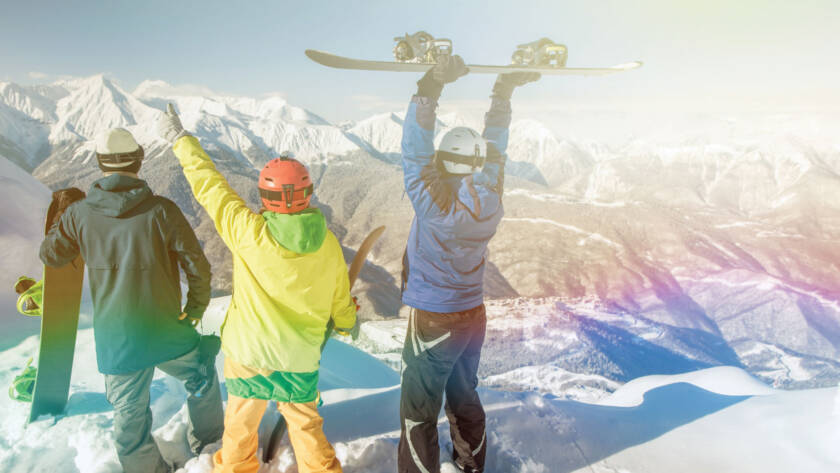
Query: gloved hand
(192,321)
(169,125)
(449,69)
(505,83)
(354,331)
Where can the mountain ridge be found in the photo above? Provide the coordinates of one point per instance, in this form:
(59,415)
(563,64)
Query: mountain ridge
(735,237)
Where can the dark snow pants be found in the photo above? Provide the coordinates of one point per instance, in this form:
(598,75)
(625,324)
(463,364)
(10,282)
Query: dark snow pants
(130,396)
(441,353)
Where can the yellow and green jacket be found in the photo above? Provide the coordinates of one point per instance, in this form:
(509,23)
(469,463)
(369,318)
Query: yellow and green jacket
(289,279)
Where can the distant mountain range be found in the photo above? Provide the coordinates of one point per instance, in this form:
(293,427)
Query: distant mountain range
(736,238)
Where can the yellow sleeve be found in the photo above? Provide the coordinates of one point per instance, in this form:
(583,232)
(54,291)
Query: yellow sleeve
(343,307)
(228,211)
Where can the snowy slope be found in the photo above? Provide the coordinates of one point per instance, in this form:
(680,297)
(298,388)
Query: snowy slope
(24,130)
(25,202)
(380,135)
(791,431)
(534,152)
(257,129)
(37,122)
(557,160)
(677,427)
(725,380)
(732,232)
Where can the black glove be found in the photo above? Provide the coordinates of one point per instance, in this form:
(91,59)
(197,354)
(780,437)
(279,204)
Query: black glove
(505,83)
(449,69)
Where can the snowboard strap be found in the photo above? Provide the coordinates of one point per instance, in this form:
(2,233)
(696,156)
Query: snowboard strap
(23,386)
(476,161)
(120,158)
(29,302)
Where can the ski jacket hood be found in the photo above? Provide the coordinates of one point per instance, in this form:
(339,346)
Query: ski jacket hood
(302,232)
(116,195)
(133,243)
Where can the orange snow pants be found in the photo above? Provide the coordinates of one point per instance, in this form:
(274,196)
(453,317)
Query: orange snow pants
(238,454)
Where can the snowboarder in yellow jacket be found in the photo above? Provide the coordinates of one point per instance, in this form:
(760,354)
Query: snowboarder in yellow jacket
(289,279)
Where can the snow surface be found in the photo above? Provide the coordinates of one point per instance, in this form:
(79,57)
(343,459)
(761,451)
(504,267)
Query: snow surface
(788,431)
(587,235)
(25,202)
(693,422)
(726,380)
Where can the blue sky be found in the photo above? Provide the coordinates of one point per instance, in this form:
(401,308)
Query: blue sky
(745,53)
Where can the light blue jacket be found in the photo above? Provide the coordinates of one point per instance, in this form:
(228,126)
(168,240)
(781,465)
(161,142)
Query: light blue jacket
(455,217)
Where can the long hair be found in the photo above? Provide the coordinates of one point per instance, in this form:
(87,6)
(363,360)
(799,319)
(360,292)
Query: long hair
(61,199)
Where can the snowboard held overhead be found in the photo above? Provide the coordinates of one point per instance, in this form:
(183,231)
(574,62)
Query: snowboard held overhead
(420,52)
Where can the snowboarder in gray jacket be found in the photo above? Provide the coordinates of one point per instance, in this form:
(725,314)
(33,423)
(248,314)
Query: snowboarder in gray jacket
(133,243)
(456,191)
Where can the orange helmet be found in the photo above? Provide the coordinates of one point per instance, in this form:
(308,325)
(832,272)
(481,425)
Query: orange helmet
(285,186)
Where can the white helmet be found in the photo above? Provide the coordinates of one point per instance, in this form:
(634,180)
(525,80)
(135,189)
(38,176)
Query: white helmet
(462,151)
(117,150)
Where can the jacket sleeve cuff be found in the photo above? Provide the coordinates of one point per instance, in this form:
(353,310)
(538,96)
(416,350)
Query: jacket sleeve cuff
(428,87)
(499,114)
(181,141)
(346,320)
(502,90)
(426,113)
(194,312)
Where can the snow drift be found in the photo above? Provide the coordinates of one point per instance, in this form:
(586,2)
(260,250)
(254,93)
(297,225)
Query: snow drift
(677,427)
(25,202)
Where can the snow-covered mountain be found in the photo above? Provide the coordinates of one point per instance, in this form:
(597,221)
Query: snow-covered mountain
(380,135)
(73,111)
(642,297)
(729,234)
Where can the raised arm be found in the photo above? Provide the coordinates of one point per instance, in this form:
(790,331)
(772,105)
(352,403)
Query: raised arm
(228,211)
(497,128)
(423,180)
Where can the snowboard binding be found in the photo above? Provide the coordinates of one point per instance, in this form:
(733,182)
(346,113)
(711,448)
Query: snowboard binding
(421,47)
(30,296)
(540,53)
(24,384)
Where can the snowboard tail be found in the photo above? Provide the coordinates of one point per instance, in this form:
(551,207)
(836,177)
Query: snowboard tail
(361,254)
(59,322)
(340,62)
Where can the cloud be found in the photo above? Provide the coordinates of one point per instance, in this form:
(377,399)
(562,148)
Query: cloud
(38,75)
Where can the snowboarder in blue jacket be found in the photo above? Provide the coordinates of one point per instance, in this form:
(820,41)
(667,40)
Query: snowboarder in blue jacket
(456,190)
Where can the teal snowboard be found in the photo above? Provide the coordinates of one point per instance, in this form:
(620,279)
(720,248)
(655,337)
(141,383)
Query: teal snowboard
(59,322)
